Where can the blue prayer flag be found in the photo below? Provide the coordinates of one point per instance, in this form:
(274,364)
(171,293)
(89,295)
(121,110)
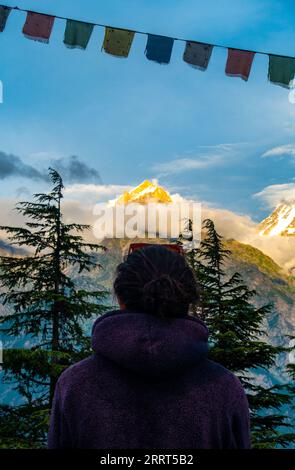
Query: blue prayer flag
(159,48)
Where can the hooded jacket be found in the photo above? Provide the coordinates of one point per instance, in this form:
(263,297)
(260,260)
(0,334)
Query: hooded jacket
(148,385)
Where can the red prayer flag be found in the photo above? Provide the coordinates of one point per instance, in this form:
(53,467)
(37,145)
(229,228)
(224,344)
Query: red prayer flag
(239,63)
(38,26)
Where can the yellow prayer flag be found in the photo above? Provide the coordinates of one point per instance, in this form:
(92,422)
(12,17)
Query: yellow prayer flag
(118,41)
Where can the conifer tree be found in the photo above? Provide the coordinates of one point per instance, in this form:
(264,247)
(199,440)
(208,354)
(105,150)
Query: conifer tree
(236,331)
(47,308)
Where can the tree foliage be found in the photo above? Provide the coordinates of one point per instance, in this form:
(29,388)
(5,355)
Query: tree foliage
(47,307)
(236,338)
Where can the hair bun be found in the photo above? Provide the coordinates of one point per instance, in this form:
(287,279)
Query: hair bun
(156,280)
(158,292)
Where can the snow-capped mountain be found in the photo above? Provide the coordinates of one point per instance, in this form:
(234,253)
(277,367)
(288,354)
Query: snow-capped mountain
(145,192)
(280,222)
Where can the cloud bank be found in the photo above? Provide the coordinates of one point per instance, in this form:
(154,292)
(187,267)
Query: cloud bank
(277,193)
(80,199)
(230,224)
(287,149)
(11,165)
(206,156)
(72,169)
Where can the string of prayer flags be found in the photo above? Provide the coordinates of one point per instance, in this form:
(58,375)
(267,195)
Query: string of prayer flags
(159,48)
(281,70)
(197,54)
(77,34)
(4,14)
(239,63)
(117,41)
(38,26)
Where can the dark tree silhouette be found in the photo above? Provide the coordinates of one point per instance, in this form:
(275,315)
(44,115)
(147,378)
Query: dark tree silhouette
(236,330)
(47,307)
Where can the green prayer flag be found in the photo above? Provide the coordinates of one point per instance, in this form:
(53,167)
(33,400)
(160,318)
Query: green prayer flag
(4,14)
(281,70)
(117,41)
(77,34)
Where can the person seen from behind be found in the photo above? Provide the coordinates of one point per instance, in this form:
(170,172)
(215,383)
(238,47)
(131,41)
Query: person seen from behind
(149,383)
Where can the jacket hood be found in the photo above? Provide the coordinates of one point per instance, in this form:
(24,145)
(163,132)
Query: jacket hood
(150,345)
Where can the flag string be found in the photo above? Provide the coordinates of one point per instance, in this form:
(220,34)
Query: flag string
(146,33)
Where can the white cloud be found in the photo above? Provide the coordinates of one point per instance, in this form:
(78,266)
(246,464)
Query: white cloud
(288,149)
(230,224)
(184,164)
(275,194)
(243,229)
(93,193)
(209,155)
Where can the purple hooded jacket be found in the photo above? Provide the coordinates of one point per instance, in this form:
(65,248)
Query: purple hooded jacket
(148,385)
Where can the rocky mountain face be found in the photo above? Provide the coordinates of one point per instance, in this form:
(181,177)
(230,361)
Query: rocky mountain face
(258,271)
(280,222)
(272,286)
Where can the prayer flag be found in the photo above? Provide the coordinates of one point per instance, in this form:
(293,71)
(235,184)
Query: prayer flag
(38,26)
(117,41)
(197,54)
(239,63)
(77,34)
(281,70)
(159,48)
(4,13)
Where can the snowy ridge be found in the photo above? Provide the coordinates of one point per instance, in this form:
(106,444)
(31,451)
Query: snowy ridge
(280,222)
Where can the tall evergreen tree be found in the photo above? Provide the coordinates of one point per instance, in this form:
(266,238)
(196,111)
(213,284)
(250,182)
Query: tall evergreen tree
(236,330)
(46,307)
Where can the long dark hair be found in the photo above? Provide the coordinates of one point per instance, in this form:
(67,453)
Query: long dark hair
(156,280)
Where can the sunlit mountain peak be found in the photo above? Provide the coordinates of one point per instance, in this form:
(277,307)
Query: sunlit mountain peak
(144,193)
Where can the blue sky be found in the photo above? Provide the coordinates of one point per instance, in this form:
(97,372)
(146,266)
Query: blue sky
(200,133)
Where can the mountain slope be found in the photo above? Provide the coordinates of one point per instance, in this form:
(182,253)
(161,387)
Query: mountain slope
(280,222)
(273,286)
(258,271)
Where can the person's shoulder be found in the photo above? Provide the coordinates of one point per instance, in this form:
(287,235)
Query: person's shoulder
(76,374)
(221,384)
(222,376)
